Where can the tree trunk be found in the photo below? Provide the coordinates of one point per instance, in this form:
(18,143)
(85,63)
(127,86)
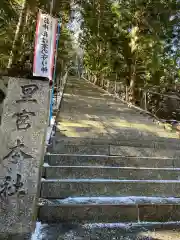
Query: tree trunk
(115,84)
(132,90)
(95,79)
(132,83)
(108,85)
(101,80)
(18,35)
(26,23)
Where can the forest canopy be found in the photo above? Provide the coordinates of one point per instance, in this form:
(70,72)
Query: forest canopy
(135,42)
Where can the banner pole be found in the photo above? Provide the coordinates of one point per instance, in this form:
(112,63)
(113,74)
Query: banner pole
(54,72)
(50,90)
(51,8)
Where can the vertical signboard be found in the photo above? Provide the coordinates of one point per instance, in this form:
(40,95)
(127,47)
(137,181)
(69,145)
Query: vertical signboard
(45,42)
(53,45)
(22,135)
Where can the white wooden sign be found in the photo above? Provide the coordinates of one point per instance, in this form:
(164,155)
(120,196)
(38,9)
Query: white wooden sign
(45,43)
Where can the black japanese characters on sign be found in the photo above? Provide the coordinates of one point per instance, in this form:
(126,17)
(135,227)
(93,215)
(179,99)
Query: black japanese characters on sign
(9,187)
(44,45)
(22,122)
(46,23)
(16,153)
(13,181)
(27,93)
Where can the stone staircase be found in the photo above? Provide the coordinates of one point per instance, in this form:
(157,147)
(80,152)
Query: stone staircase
(108,164)
(101,181)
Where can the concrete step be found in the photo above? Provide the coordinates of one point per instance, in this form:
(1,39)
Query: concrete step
(113,150)
(107,231)
(87,213)
(79,149)
(97,210)
(64,188)
(105,160)
(123,141)
(143,152)
(93,172)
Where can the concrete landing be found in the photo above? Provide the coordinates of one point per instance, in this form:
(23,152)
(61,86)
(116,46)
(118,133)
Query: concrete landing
(88,112)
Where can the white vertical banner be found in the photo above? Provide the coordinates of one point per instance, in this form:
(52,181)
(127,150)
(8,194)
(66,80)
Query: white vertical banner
(53,44)
(46,30)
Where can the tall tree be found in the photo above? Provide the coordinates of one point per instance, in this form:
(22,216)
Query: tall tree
(139,41)
(17,36)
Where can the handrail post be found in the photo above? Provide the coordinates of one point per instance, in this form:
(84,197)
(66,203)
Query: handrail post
(145,100)
(115,87)
(126,93)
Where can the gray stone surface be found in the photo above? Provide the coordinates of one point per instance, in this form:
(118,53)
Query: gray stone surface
(138,231)
(160,213)
(24,124)
(177,163)
(88,119)
(80,149)
(119,161)
(144,152)
(94,172)
(122,150)
(88,213)
(103,213)
(73,188)
(87,112)
(163,143)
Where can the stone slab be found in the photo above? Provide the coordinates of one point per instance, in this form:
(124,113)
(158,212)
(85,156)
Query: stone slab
(122,141)
(88,213)
(53,189)
(143,152)
(129,200)
(159,213)
(93,172)
(119,161)
(26,236)
(132,231)
(79,149)
(109,213)
(24,123)
(176,163)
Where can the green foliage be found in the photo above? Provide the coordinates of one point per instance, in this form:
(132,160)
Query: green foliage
(17,32)
(135,40)
(65,50)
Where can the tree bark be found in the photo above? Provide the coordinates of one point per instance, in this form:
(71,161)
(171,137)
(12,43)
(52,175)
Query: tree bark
(18,35)
(101,80)
(132,83)
(95,79)
(26,23)
(108,85)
